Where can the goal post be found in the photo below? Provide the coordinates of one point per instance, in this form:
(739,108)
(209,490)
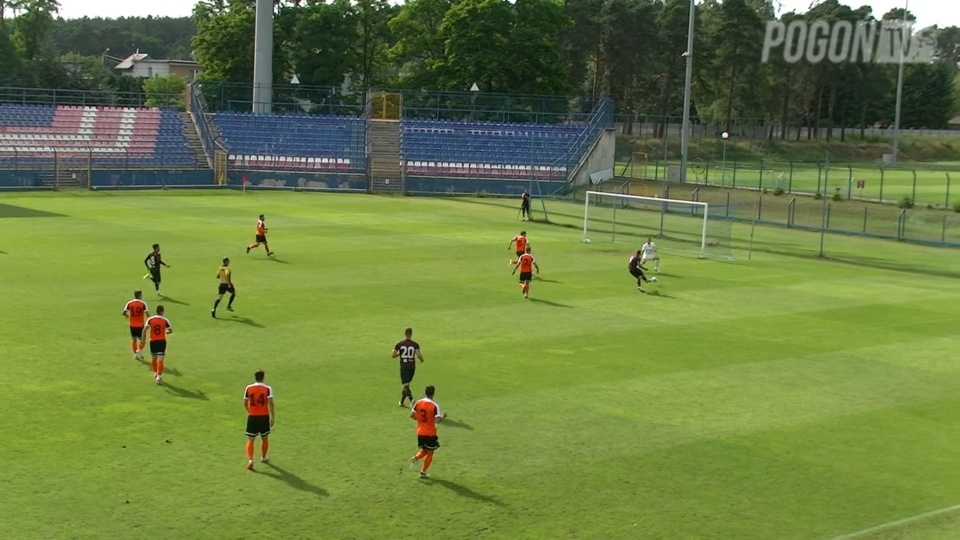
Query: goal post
(682,226)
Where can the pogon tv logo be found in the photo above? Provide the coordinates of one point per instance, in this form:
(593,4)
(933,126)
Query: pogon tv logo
(844,41)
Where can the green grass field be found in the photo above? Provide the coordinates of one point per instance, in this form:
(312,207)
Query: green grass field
(782,397)
(925,183)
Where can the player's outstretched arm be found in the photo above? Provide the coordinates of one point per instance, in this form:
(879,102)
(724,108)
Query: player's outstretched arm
(420,356)
(537,266)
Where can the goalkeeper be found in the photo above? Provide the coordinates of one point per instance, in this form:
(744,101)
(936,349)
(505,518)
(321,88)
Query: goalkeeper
(636,270)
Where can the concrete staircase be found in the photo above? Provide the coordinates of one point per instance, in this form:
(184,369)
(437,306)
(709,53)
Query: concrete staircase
(193,139)
(386,174)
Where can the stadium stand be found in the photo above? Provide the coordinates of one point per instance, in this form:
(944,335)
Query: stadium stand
(294,142)
(490,150)
(104,136)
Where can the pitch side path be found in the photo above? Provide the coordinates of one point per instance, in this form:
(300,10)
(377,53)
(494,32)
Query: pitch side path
(782,397)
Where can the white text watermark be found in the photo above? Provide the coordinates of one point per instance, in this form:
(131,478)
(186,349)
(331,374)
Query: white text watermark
(883,42)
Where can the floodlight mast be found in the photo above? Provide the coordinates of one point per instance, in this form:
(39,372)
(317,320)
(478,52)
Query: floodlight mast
(263,58)
(687,83)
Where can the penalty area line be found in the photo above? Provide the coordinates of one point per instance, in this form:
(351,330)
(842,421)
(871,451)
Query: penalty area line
(898,523)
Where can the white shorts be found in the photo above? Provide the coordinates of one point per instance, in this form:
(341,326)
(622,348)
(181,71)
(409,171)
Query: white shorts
(648,257)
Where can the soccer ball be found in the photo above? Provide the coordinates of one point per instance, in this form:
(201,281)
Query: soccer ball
(654,278)
(511,262)
(586,240)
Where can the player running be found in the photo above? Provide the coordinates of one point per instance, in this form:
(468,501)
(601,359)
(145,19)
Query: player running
(636,270)
(521,243)
(649,253)
(261,237)
(258,401)
(158,326)
(225,276)
(136,313)
(427,413)
(408,351)
(153,262)
(526,263)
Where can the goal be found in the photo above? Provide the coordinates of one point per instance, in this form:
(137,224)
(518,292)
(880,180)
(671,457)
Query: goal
(680,226)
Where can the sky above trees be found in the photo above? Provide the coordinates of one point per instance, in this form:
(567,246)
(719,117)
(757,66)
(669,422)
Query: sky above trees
(928,12)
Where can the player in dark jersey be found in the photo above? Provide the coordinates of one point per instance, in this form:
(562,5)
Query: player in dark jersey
(636,270)
(525,205)
(153,262)
(408,351)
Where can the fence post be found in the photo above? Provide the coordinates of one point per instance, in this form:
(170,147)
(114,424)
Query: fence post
(759,206)
(791,211)
(760,180)
(850,182)
(706,172)
(734,182)
(864,220)
(819,175)
(728,204)
(829,206)
(790,179)
(913,196)
(882,171)
(946,202)
(901,218)
(943,230)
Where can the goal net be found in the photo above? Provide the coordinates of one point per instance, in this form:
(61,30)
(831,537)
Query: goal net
(680,226)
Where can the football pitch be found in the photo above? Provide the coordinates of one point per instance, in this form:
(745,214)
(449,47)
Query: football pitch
(777,398)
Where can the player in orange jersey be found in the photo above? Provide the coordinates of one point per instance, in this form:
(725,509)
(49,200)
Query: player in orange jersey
(158,327)
(427,413)
(258,401)
(521,242)
(261,237)
(408,351)
(136,313)
(526,263)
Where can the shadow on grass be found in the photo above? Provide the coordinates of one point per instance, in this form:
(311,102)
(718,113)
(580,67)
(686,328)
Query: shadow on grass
(276,260)
(464,491)
(549,303)
(659,294)
(455,424)
(184,393)
(545,280)
(166,371)
(168,300)
(293,480)
(242,320)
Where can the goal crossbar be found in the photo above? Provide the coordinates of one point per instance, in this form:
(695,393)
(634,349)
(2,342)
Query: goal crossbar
(656,200)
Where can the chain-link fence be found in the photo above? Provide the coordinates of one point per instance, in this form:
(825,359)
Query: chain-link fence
(908,187)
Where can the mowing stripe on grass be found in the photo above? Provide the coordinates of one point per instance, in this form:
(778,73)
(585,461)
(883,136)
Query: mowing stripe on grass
(899,522)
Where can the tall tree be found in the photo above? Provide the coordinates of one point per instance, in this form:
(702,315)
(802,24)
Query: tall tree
(419,44)
(373,38)
(737,38)
(629,49)
(32,28)
(321,48)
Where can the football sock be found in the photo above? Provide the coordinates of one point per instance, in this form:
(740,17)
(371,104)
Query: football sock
(427,462)
(420,455)
(156,286)
(216,303)
(249,450)
(153,364)
(160,366)
(264,445)
(133,345)
(230,302)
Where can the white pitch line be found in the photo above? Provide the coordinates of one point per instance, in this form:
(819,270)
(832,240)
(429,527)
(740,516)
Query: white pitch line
(899,522)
